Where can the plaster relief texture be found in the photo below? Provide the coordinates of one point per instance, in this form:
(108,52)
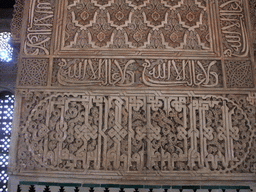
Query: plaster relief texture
(127,91)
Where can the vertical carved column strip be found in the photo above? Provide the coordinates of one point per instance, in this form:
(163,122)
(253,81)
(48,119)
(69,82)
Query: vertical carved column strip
(16,24)
(39,30)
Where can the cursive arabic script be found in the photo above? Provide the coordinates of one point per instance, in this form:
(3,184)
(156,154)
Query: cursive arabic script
(160,74)
(40,28)
(117,72)
(233,28)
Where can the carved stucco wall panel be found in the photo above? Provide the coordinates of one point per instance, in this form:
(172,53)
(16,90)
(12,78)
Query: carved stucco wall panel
(39,27)
(155,90)
(252,98)
(166,73)
(136,133)
(235,37)
(33,72)
(239,74)
(121,24)
(154,27)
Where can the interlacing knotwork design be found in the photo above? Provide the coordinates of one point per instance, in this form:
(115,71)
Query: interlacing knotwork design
(40,25)
(138,72)
(31,99)
(151,24)
(33,72)
(132,134)
(239,74)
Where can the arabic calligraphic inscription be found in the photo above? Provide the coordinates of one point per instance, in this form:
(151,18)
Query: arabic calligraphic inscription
(143,90)
(139,72)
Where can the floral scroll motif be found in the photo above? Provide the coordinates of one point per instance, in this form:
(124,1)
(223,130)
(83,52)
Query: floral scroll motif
(150,24)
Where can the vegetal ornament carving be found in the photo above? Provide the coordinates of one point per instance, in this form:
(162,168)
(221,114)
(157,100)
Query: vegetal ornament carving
(149,24)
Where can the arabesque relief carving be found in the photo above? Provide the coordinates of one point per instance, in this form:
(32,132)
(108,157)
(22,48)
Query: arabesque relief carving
(138,72)
(150,24)
(39,30)
(153,24)
(134,91)
(136,132)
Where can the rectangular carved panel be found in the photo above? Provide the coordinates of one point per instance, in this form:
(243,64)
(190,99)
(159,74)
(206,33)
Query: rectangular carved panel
(136,133)
(39,30)
(234,30)
(33,72)
(133,91)
(239,74)
(141,27)
(138,72)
